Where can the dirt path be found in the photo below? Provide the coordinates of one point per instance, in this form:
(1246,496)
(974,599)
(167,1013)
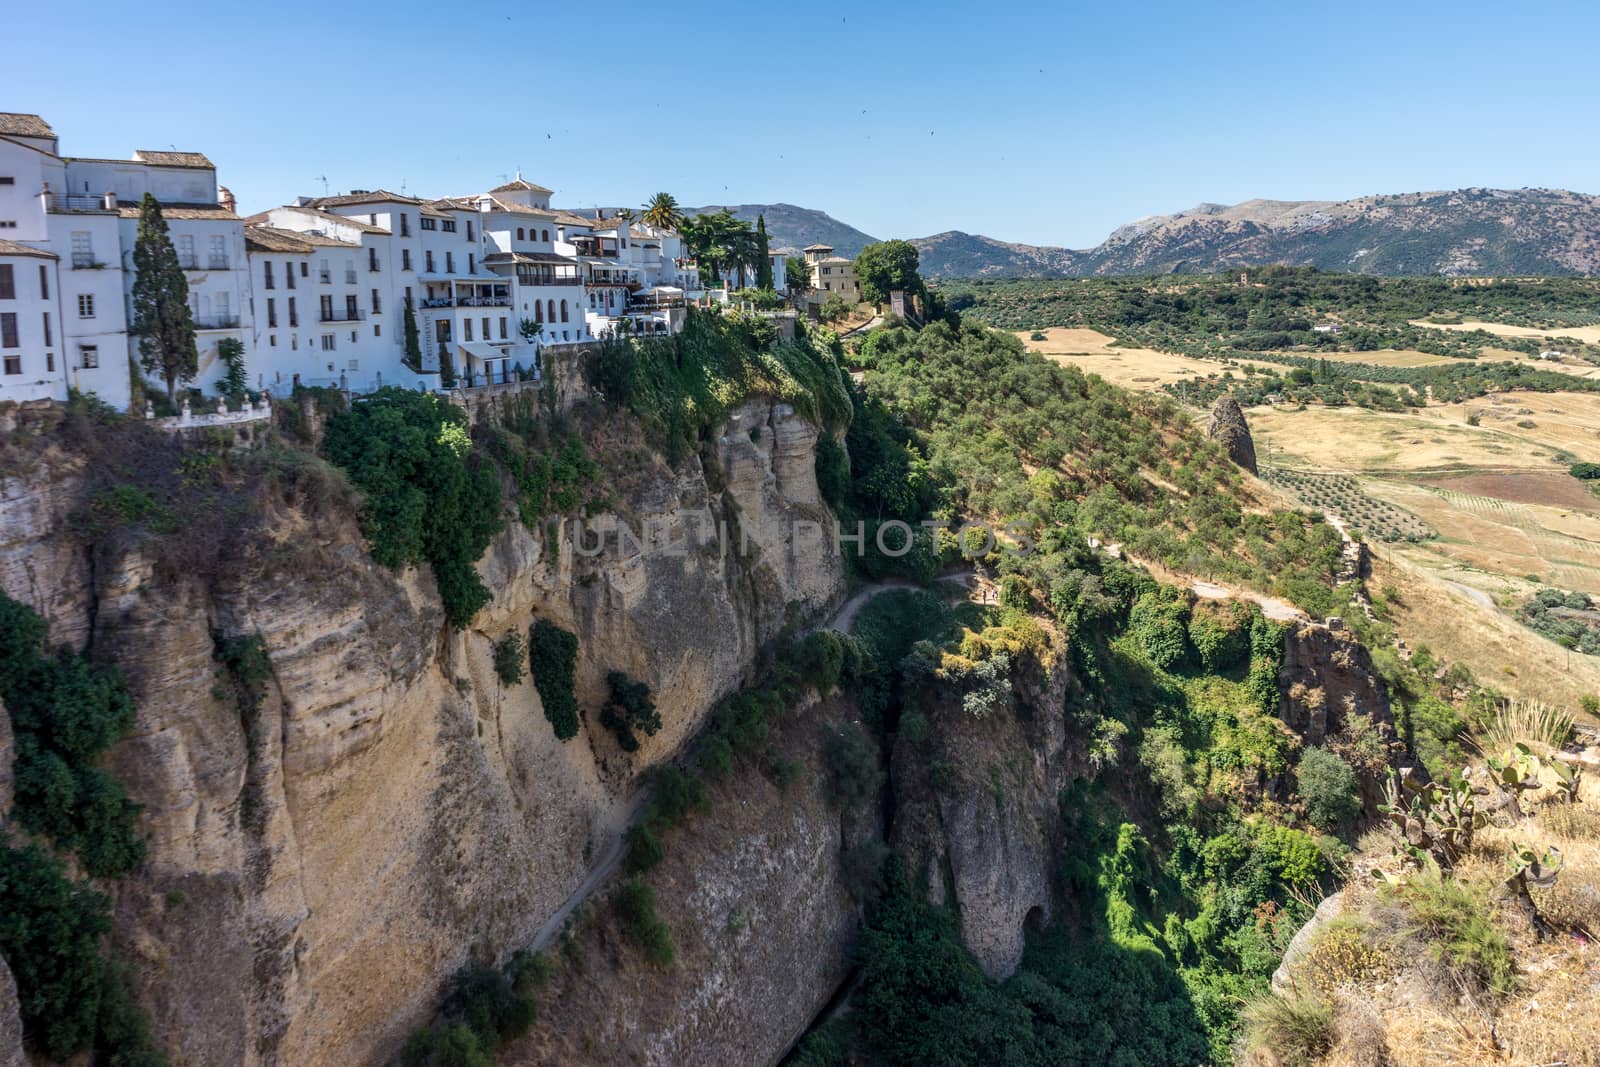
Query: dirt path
(616,848)
(1273,608)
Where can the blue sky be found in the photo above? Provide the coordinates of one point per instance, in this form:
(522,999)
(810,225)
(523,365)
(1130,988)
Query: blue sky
(1044,123)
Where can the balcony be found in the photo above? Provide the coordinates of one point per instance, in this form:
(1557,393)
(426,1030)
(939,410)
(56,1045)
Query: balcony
(86,261)
(350,277)
(80,203)
(467,302)
(217,322)
(343,315)
(217,263)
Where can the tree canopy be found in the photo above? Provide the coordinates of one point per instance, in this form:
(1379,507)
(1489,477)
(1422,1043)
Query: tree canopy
(886,266)
(161,317)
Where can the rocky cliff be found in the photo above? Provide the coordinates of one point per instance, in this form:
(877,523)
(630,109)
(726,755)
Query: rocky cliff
(1227,427)
(317,867)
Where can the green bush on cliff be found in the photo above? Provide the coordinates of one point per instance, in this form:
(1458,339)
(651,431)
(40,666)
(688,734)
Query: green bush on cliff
(65,712)
(1329,787)
(636,901)
(552,655)
(629,709)
(485,1007)
(428,496)
(508,659)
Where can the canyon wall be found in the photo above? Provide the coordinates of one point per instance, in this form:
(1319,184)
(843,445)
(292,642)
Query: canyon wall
(320,864)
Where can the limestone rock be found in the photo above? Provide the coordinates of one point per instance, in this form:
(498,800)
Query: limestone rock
(11,1054)
(319,867)
(1228,428)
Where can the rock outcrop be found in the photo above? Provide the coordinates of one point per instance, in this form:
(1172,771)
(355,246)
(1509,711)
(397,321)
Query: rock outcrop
(11,1054)
(976,811)
(319,865)
(1228,428)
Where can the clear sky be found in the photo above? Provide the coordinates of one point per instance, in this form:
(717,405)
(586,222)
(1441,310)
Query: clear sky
(1045,123)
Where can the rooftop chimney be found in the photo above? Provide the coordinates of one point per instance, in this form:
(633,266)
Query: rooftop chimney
(225,198)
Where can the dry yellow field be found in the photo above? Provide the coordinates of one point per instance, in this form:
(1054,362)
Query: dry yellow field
(1133,368)
(1357,440)
(1389,357)
(1589,334)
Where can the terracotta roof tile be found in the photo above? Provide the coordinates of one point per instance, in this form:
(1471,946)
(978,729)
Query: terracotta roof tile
(373,196)
(173,159)
(21,124)
(180,211)
(272,239)
(12,248)
(521,185)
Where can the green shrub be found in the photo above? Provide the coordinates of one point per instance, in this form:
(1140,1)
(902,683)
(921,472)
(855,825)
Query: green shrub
(509,654)
(445,1045)
(1329,787)
(645,849)
(65,713)
(833,471)
(853,761)
(552,657)
(50,933)
(1454,919)
(629,709)
(675,793)
(428,496)
(1220,633)
(636,901)
(1160,621)
(1586,471)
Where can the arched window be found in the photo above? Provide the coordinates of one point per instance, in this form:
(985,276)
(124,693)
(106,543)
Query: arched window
(563,311)
(519,233)
(547,235)
(538,311)
(552,315)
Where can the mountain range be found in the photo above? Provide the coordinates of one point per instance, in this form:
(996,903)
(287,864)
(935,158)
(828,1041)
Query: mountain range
(1464,231)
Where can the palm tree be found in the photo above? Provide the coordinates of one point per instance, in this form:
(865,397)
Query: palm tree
(739,245)
(662,212)
(625,214)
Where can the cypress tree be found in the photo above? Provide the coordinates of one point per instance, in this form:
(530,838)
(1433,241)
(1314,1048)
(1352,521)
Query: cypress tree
(413,340)
(763,262)
(161,318)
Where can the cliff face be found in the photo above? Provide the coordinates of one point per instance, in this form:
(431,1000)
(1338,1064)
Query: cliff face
(317,868)
(976,812)
(758,896)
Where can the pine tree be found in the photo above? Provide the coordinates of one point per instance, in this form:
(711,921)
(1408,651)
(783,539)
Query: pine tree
(161,318)
(763,261)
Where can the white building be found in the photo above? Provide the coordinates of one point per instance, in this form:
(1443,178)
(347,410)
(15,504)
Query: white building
(84,212)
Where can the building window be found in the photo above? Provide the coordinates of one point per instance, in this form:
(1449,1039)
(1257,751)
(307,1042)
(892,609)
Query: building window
(329,342)
(546,235)
(186,257)
(7,179)
(47,339)
(224,319)
(50,362)
(405,225)
(294,318)
(83,250)
(324,272)
(272,313)
(449,262)
(89,356)
(288,273)
(469,230)
(427,257)
(519,233)
(8,282)
(372,259)
(377,330)
(563,311)
(44,282)
(266,273)
(349,272)
(305,269)
(85,305)
(472,264)
(272,340)
(377,306)
(355,364)
(552,305)
(486,333)
(502,327)
(351,312)
(405,259)
(448,225)
(327,308)
(13,364)
(466,329)
(8,224)
(408,296)
(429,223)
(217,256)
(352,337)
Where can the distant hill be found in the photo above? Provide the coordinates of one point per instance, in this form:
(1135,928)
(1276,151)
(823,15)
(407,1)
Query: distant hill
(1467,231)
(796,227)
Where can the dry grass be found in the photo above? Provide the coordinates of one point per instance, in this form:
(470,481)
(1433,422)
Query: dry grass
(1542,727)
(1140,369)
(1359,440)
(1501,651)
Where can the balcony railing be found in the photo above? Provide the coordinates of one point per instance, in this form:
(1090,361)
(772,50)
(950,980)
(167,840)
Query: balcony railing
(217,263)
(188,263)
(343,315)
(217,322)
(86,261)
(467,302)
(78,203)
(350,277)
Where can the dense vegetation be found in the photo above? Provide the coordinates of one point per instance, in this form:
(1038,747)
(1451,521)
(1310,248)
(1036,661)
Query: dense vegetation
(552,656)
(681,386)
(1570,619)
(427,496)
(985,430)
(65,712)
